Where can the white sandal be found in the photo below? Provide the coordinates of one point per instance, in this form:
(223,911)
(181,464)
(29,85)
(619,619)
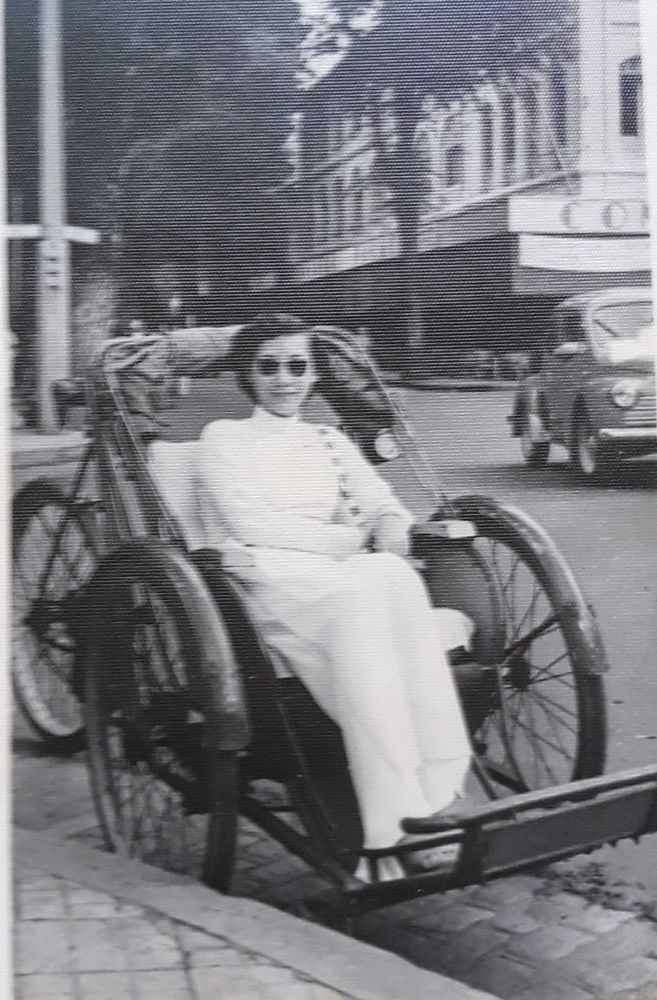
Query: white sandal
(442,856)
(387,869)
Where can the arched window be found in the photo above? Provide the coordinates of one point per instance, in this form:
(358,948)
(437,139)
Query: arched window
(428,179)
(354,203)
(320,216)
(335,208)
(559,108)
(533,154)
(486,146)
(509,133)
(631,97)
(454,166)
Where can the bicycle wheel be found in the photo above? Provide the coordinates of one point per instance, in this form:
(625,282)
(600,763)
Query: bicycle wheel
(164,792)
(53,560)
(546,723)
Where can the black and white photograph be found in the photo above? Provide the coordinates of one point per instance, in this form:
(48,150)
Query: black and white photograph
(332,556)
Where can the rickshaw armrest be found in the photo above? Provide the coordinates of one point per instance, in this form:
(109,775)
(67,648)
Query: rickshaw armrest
(236,558)
(451,529)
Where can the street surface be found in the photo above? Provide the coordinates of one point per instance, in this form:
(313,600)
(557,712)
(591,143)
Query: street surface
(609,535)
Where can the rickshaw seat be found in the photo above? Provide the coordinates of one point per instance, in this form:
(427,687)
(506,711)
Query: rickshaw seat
(173,468)
(172,464)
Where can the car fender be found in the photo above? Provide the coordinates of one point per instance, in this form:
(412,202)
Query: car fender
(596,399)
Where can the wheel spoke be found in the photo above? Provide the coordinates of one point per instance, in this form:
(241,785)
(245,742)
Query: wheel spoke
(544,628)
(565,679)
(530,610)
(559,735)
(557,727)
(555,706)
(540,741)
(52,559)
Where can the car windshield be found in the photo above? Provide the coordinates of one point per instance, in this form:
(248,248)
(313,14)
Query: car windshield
(624,330)
(623,319)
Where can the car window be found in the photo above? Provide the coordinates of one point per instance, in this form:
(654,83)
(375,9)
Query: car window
(623,320)
(572,329)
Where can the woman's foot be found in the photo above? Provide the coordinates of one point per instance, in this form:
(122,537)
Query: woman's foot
(438,858)
(459,807)
(387,870)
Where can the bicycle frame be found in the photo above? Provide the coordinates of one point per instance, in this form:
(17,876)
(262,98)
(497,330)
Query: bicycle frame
(124,490)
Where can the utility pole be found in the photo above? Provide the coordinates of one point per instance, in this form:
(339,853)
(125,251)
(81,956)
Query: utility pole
(54,307)
(5,515)
(4,207)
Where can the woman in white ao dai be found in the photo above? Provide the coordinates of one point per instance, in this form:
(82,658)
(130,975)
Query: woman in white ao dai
(334,598)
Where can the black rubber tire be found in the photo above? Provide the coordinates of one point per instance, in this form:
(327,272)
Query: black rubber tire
(535,454)
(152,716)
(536,736)
(44,622)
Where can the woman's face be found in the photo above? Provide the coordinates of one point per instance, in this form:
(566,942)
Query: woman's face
(282,374)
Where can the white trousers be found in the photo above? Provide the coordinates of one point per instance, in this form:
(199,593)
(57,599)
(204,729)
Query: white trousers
(362,636)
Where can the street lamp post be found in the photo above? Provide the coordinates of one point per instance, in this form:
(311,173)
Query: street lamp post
(53,350)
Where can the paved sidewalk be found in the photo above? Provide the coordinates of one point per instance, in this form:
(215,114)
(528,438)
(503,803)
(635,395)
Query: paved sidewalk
(520,938)
(74,942)
(89,926)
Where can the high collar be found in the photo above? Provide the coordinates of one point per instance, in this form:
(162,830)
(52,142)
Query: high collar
(271,421)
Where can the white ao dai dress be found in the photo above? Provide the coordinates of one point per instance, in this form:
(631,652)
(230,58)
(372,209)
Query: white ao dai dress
(356,627)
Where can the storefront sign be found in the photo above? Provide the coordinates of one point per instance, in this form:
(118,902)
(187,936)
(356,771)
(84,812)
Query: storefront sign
(608,216)
(593,255)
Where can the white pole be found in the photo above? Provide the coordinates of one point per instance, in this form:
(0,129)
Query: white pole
(4,256)
(5,549)
(53,361)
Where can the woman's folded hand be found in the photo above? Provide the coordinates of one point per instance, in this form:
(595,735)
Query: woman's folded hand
(390,534)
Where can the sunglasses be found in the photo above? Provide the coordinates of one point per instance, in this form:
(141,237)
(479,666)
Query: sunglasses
(267,367)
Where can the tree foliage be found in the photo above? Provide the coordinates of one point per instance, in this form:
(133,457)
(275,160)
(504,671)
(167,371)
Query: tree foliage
(177,108)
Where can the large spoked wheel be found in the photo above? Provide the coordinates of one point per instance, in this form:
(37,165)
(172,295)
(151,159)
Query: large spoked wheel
(53,560)
(165,791)
(549,725)
(543,721)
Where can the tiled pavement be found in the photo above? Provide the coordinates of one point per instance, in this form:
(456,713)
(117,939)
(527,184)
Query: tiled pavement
(76,943)
(519,938)
(92,926)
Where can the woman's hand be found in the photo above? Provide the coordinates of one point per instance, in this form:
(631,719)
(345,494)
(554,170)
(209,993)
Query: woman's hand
(390,534)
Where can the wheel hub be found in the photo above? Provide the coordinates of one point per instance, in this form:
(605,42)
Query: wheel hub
(177,759)
(518,674)
(43,614)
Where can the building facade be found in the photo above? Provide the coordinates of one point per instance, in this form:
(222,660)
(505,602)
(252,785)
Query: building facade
(530,185)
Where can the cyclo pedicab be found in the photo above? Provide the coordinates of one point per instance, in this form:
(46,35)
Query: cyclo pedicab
(128,638)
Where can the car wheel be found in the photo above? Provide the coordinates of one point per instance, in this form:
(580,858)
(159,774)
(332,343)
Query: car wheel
(586,452)
(535,453)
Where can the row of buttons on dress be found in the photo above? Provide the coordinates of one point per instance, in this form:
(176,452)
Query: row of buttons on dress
(336,462)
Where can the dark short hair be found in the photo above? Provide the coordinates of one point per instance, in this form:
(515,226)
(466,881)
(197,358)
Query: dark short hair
(248,341)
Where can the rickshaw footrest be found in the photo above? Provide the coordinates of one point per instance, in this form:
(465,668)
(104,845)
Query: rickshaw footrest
(546,798)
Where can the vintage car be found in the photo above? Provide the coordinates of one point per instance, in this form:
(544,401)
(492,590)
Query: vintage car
(594,387)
